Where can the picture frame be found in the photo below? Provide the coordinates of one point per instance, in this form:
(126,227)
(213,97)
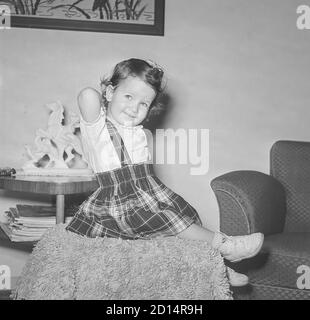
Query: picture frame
(142,17)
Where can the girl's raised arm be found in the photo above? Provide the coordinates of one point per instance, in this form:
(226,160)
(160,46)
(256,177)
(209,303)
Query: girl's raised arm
(89,101)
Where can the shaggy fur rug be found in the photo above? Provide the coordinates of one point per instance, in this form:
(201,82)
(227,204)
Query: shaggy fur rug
(64,265)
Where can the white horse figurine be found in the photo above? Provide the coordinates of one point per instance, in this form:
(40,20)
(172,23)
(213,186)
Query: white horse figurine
(57,145)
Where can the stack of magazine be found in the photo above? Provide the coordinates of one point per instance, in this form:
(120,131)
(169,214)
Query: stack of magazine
(30,222)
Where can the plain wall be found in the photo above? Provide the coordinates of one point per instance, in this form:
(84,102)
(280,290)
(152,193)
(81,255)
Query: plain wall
(238,68)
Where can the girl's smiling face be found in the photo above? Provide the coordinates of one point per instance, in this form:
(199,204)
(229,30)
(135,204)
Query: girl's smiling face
(130,101)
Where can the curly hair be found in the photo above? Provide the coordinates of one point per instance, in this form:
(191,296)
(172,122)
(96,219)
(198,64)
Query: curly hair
(147,71)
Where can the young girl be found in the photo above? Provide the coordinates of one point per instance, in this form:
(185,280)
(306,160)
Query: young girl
(131,202)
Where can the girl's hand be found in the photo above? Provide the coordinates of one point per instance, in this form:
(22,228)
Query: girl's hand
(89,101)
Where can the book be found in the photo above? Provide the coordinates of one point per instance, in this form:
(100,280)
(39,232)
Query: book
(28,223)
(26,210)
(8,232)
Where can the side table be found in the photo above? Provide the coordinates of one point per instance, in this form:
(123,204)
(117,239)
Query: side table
(58,186)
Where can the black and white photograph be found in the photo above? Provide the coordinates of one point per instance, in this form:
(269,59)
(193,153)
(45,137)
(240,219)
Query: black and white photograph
(155,154)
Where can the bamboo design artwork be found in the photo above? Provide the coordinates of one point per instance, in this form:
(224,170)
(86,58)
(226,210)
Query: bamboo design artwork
(85,9)
(117,16)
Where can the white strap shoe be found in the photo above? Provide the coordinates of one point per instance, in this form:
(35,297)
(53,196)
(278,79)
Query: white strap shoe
(236,248)
(236,279)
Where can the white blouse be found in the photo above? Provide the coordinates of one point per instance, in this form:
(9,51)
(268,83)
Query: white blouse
(99,149)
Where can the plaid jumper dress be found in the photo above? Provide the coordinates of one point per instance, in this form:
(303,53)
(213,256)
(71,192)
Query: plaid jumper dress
(131,202)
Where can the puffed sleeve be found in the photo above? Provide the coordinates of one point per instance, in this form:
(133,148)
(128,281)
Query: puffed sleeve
(92,130)
(91,134)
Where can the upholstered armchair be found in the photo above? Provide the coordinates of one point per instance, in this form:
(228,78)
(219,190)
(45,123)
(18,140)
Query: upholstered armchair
(279,206)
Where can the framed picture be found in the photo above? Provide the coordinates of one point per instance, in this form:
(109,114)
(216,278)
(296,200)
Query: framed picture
(118,16)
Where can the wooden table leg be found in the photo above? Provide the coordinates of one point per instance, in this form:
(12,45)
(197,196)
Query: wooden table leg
(60,208)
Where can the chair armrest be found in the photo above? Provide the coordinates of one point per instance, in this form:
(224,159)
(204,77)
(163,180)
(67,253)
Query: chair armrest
(250,201)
